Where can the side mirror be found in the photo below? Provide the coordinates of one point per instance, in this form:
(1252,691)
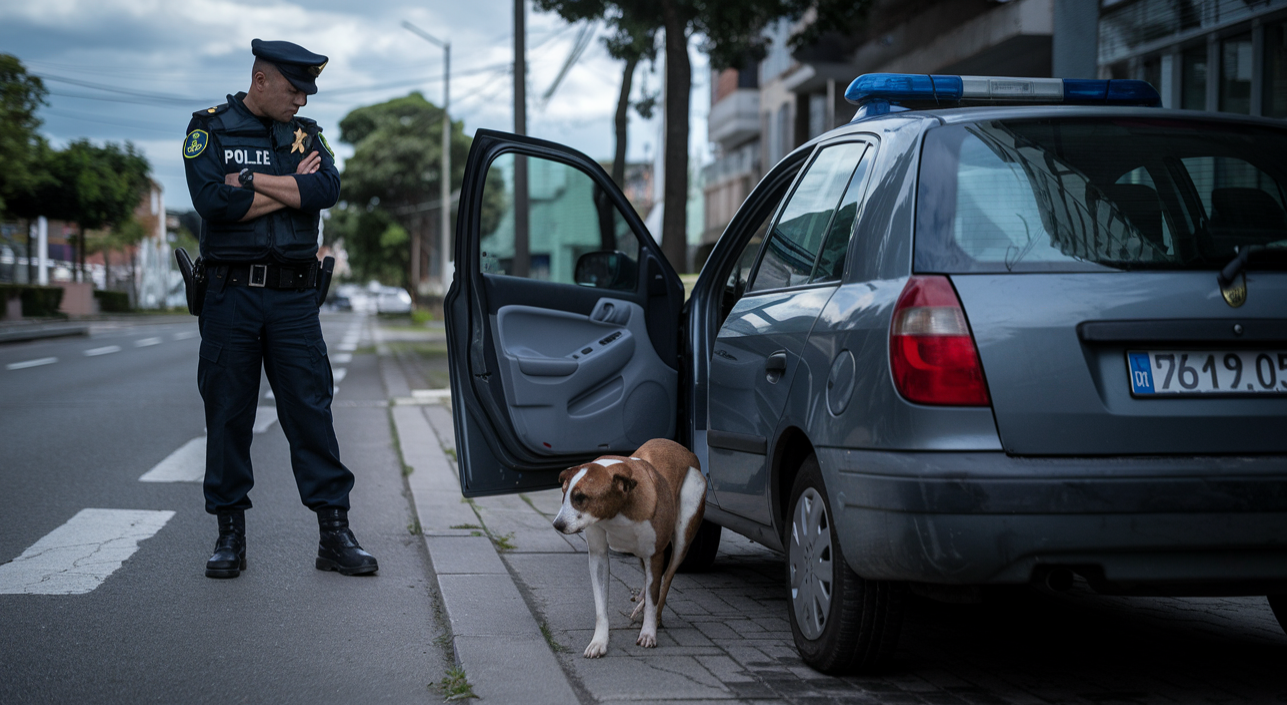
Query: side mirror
(606,269)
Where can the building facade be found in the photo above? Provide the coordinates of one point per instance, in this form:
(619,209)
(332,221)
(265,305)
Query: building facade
(1220,55)
(762,112)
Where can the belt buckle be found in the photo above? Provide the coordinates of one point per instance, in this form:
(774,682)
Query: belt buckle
(258,275)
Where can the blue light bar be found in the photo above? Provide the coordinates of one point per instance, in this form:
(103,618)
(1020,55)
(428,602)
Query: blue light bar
(877,93)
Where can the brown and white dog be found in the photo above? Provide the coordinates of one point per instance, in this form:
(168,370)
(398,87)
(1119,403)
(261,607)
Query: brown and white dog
(636,505)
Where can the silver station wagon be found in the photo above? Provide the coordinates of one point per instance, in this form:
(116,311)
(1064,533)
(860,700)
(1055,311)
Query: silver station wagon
(992,331)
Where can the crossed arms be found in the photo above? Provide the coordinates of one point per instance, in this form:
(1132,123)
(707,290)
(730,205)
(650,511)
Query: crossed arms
(276,192)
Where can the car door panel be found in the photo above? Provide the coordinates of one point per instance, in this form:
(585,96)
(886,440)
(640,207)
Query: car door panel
(527,399)
(574,384)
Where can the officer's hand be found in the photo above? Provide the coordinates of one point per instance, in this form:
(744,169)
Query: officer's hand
(232,179)
(309,164)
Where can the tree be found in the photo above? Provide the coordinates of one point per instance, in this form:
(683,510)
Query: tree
(21,148)
(734,33)
(96,187)
(633,41)
(392,181)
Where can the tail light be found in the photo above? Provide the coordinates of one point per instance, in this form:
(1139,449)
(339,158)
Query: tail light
(931,351)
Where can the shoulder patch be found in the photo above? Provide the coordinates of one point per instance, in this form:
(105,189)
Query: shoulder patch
(327,146)
(195,143)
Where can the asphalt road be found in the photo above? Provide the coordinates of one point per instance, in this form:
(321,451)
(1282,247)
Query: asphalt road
(81,420)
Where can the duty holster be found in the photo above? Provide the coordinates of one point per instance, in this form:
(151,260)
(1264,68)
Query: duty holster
(194,280)
(324,279)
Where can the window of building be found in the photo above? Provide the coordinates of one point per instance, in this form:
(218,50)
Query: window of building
(1153,72)
(1275,98)
(1193,83)
(1235,74)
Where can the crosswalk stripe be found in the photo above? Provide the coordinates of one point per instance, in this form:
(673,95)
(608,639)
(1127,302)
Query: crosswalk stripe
(265,416)
(78,556)
(187,464)
(145,342)
(342,358)
(105,350)
(340,374)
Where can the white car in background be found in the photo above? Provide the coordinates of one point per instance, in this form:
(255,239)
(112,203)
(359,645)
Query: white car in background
(392,299)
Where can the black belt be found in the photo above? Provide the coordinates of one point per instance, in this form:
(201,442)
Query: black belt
(268,275)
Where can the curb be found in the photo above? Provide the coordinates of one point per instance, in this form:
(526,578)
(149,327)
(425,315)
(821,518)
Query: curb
(496,640)
(15,332)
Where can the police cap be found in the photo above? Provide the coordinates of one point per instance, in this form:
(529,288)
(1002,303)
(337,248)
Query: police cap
(300,66)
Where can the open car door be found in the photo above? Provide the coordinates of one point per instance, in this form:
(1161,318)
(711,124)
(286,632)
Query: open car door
(562,319)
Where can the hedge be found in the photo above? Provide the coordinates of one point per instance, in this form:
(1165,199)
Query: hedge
(37,301)
(112,301)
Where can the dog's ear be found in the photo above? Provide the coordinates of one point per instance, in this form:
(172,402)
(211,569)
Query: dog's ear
(624,481)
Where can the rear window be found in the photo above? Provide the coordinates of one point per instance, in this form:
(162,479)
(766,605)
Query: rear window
(1098,195)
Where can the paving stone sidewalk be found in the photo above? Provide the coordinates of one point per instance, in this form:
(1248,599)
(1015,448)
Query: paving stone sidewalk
(519,594)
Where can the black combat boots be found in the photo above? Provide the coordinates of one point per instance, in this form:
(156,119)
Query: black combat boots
(338,549)
(229,557)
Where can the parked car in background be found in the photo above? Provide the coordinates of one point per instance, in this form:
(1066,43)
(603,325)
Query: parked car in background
(392,299)
(993,331)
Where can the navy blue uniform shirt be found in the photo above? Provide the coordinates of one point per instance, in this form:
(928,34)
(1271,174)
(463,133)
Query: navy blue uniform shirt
(216,155)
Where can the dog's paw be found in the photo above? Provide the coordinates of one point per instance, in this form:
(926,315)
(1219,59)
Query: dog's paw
(596,649)
(647,641)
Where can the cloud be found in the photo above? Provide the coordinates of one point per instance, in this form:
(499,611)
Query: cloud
(196,53)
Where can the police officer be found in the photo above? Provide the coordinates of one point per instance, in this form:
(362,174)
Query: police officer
(259,175)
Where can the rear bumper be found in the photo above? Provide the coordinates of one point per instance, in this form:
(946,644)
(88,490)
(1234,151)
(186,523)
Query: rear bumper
(978,518)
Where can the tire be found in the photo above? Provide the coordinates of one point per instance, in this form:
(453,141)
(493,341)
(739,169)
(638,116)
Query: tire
(1278,603)
(841,622)
(701,554)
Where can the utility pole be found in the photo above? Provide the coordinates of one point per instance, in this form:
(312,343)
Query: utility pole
(522,251)
(444,239)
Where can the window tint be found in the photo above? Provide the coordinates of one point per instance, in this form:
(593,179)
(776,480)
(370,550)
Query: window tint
(831,263)
(796,238)
(567,216)
(1090,194)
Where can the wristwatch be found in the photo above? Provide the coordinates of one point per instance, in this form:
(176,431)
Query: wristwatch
(247,178)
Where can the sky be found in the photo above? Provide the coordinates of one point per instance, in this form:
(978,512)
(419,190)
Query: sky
(135,70)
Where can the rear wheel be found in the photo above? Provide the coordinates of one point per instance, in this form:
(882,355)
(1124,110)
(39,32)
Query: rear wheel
(701,554)
(1278,603)
(841,622)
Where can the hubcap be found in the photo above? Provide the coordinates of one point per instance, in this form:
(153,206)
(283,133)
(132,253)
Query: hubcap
(809,561)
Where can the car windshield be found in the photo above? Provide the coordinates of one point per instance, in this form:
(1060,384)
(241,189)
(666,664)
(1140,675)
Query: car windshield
(1099,194)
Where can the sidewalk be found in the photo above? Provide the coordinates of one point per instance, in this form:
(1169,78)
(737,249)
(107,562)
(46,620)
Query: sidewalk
(517,593)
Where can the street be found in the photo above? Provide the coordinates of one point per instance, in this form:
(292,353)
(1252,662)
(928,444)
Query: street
(81,431)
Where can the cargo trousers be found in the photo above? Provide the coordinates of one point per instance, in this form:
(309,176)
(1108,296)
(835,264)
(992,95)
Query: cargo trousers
(245,330)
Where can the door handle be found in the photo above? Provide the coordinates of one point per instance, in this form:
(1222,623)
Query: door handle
(776,362)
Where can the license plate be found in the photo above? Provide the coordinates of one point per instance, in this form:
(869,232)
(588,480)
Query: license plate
(1195,372)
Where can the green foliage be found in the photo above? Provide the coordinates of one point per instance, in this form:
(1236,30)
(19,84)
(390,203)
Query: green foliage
(97,187)
(112,301)
(21,147)
(455,686)
(391,181)
(38,301)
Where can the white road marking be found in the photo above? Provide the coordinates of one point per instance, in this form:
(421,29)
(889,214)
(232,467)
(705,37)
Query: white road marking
(340,374)
(31,363)
(185,335)
(347,347)
(187,464)
(106,350)
(342,358)
(145,342)
(265,416)
(269,394)
(78,556)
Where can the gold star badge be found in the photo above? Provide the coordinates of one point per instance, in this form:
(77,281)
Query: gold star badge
(299,142)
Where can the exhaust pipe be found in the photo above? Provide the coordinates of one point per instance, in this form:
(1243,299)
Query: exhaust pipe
(1059,579)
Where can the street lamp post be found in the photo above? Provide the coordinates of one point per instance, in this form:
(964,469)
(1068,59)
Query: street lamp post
(445,234)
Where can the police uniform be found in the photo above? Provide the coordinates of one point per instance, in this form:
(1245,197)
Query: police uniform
(260,311)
